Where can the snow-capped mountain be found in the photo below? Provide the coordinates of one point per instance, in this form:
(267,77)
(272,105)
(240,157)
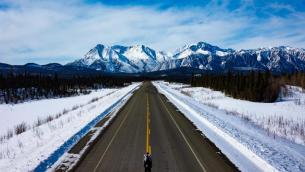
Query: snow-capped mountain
(117,58)
(140,58)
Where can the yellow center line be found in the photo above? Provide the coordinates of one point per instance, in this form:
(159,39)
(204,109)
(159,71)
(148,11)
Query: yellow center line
(148,147)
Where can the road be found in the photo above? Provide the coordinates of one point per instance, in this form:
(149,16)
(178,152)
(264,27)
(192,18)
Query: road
(148,122)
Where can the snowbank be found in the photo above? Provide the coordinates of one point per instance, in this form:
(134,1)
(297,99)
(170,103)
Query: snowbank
(246,144)
(284,118)
(29,112)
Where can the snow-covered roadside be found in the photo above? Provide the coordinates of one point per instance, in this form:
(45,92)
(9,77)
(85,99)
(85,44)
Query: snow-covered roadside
(284,118)
(245,144)
(30,112)
(25,151)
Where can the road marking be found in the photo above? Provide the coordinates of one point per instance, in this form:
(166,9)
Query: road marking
(148,147)
(113,137)
(184,138)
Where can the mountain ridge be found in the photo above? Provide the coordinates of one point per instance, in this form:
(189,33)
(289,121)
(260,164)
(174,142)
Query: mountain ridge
(203,56)
(200,58)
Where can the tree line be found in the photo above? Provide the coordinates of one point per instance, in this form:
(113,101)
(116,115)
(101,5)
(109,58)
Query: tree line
(253,86)
(15,88)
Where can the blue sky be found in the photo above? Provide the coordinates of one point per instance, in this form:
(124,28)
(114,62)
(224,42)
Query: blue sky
(62,31)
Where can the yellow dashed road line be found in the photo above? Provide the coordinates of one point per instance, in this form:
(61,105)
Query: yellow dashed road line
(148,147)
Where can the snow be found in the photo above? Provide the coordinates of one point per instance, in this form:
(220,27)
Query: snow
(163,56)
(259,58)
(181,49)
(144,58)
(88,60)
(285,107)
(25,151)
(264,114)
(240,135)
(136,53)
(139,58)
(188,52)
(200,51)
(221,53)
(29,112)
(185,54)
(93,55)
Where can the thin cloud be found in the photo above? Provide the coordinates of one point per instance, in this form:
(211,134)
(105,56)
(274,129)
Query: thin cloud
(35,31)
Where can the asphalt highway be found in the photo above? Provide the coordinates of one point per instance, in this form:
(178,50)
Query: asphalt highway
(149,123)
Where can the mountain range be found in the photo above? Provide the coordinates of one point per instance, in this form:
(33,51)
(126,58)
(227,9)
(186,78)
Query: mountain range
(201,57)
